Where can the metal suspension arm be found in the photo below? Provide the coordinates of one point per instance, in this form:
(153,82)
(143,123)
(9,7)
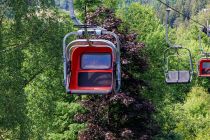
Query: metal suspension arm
(167,25)
(207,24)
(72,14)
(200,43)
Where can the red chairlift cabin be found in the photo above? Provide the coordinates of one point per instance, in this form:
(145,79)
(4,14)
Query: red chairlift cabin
(204,67)
(92,66)
(204,63)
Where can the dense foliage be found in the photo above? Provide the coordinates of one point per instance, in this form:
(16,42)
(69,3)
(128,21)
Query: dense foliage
(33,104)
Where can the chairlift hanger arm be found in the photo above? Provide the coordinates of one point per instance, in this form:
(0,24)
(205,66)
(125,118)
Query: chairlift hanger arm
(76,21)
(200,43)
(72,14)
(207,28)
(204,53)
(167,26)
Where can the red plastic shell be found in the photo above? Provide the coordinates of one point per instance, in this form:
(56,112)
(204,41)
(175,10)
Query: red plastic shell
(76,63)
(204,72)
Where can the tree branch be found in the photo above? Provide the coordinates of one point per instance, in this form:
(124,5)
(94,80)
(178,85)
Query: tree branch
(37,73)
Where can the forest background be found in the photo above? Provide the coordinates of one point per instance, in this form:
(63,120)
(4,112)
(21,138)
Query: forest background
(33,103)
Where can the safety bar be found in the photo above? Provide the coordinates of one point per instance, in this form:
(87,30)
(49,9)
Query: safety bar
(166,58)
(94,32)
(70,47)
(98,32)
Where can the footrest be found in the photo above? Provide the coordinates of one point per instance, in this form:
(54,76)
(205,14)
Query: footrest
(90,91)
(175,77)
